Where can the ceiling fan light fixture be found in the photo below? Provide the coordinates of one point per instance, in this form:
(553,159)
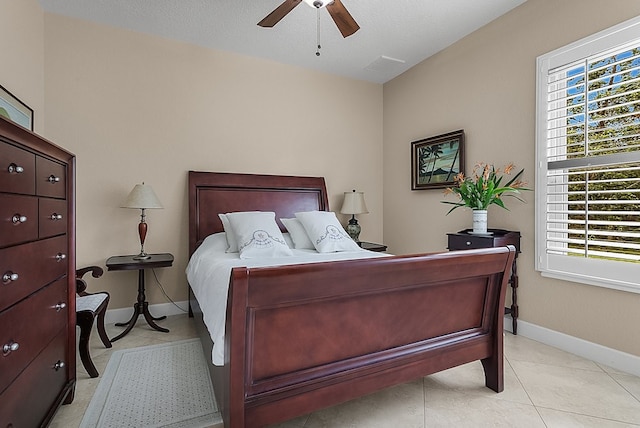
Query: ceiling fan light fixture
(318,4)
(340,15)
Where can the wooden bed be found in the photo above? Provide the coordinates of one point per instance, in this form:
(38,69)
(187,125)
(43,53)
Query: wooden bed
(304,337)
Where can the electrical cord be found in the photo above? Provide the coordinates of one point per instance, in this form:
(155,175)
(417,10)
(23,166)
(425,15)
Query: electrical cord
(164,292)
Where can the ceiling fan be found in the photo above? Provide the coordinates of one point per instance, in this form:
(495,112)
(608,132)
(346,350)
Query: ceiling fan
(343,19)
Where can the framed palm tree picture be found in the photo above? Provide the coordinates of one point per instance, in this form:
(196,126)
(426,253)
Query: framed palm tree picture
(435,161)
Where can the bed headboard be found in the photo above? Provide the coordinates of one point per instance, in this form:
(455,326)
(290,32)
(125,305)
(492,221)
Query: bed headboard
(211,193)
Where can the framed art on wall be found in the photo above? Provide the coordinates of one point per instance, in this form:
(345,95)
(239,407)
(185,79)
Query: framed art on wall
(15,110)
(435,161)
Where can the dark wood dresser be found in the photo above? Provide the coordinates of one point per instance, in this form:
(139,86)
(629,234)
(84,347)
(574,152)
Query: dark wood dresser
(37,277)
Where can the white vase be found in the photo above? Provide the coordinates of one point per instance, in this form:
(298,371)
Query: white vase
(480,221)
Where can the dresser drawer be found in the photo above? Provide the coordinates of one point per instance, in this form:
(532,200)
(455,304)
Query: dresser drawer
(52,218)
(18,219)
(26,268)
(26,402)
(29,327)
(17,170)
(51,178)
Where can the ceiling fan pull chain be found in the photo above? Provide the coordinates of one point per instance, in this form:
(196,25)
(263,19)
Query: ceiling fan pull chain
(318,31)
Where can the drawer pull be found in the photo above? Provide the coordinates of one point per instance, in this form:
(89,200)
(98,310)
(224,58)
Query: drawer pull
(468,243)
(10,347)
(53,179)
(60,306)
(56,216)
(60,257)
(13,168)
(18,218)
(9,277)
(57,366)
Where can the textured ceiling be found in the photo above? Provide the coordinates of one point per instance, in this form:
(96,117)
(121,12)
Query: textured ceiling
(394,35)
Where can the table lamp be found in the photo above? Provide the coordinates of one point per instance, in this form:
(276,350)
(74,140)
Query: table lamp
(354,204)
(142,197)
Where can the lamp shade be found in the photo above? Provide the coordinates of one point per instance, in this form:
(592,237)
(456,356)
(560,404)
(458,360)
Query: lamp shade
(142,196)
(354,203)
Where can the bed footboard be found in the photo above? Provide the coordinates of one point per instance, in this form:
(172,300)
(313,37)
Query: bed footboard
(304,337)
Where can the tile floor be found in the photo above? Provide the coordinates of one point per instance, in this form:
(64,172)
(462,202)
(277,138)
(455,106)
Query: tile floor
(544,387)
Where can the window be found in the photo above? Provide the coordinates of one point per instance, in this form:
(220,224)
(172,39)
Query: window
(588,160)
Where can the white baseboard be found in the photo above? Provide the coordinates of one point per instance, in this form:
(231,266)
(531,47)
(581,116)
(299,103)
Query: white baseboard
(613,358)
(162,309)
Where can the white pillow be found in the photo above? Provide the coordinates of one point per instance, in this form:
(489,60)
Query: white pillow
(288,240)
(231,236)
(231,239)
(258,235)
(325,232)
(298,235)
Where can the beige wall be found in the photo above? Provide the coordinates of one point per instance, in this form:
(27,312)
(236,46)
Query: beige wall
(485,84)
(135,107)
(22,50)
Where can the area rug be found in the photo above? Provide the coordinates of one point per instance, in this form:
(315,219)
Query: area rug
(165,385)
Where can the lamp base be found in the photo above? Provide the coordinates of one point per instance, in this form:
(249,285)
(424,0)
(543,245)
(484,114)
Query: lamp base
(142,256)
(353,229)
(142,231)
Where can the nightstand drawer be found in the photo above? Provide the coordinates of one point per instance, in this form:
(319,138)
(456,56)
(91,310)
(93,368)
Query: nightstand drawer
(464,240)
(457,242)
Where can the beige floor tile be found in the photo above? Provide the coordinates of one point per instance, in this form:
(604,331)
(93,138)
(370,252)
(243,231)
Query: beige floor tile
(577,391)
(611,370)
(399,406)
(630,383)
(445,408)
(469,378)
(293,423)
(519,348)
(558,419)
(544,386)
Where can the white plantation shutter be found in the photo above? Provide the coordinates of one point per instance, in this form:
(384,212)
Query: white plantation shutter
(588,160)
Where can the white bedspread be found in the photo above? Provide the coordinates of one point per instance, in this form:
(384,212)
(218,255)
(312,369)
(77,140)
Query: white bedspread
(209,270)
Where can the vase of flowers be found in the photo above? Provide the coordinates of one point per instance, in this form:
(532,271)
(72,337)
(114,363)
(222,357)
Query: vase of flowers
(480,222)
(484,188)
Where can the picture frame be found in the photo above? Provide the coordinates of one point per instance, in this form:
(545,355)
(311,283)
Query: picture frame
(435,161)
(15,110)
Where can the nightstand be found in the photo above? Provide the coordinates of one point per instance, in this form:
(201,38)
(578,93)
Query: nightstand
(371,246)
(141,307)
(464,240)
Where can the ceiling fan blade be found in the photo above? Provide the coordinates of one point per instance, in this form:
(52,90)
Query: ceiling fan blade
(343,19)
(278,13)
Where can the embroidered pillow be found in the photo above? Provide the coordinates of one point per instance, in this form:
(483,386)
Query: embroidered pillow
(258,235)
(298,235)
(325,232)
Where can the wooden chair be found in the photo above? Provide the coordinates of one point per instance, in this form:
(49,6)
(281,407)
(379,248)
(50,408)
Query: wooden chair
(88,307)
